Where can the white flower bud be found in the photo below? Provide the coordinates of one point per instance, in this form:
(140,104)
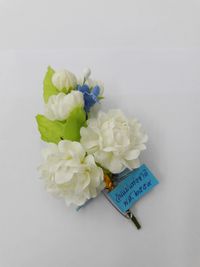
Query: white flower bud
(64,79)
(86,73)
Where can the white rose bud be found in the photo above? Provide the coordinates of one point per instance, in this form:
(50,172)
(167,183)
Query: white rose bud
(64,79)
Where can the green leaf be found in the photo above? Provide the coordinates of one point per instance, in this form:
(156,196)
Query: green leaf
(51,131)
(55,131)
(49,88)
(73,124)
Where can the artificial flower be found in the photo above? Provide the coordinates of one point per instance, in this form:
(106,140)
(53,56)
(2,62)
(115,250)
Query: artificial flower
(90,97)
(71,174)
(92,83)
(60,106)
(64,80)
(86,74)
(85,80)
(114,140)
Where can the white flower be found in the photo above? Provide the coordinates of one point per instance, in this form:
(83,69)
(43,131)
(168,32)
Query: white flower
(70,174)
(64,79)
(59,106)
(114,141)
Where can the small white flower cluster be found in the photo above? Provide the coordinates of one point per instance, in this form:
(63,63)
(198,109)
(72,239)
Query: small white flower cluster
(74,170)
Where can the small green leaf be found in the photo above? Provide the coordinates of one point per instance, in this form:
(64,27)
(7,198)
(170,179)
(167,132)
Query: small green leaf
(73,124)
(51,131)
(49,88)
(55,131)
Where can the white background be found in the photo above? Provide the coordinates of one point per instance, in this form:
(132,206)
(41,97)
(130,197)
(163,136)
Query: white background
(147,53)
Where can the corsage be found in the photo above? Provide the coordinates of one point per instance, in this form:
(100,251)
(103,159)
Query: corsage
(90,151)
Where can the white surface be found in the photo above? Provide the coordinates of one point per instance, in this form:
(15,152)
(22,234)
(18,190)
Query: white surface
(161,88)
(149,59)
(99,23)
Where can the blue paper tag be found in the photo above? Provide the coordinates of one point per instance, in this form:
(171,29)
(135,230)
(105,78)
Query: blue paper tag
(132,188)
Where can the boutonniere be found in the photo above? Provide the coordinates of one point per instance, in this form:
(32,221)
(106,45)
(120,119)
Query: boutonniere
(89,152)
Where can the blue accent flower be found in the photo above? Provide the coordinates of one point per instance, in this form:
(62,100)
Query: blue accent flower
(90,96)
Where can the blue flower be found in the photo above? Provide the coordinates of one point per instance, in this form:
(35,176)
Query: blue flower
(90,96)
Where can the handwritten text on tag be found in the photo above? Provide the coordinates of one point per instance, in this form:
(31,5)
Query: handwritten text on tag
(132,188)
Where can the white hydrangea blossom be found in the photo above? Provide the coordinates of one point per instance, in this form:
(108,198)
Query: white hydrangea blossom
(70,174)
(64,79)
(114,141)
(59,106)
